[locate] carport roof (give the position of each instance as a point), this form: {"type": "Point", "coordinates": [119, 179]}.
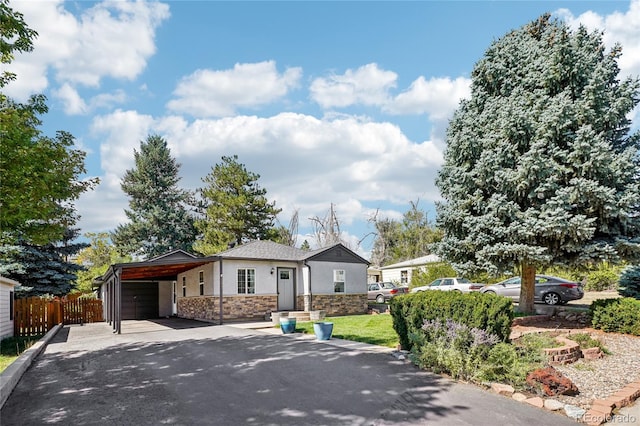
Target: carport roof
{"type": "Point", "coordinates": [157, 269]}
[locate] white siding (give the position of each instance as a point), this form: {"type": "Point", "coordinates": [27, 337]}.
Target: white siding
{"type": "Point", "coordinates": [322, 277]}
{"type": "Point", "coordinates": [6, 324]}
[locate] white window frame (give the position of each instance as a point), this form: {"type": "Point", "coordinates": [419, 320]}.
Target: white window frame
{"type": "Point", "coordinates": [404, 276]}
{"type": "Point", "coordinates": [184, 286]}
{"type": "Point", "coordinates": [201, 282]}
{"type": "Point", "coordinates": [243, 279]}
{"type": "Point", "coordinates": [339, 280]}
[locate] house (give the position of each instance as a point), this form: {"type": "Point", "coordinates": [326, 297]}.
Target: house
{"type": "Point", "coordinates": [6, 306]}
{"type": "Point", "coordinates": [400, 273]}
{"type": "Point", "coordinates": [374, 275]}
{"type": "Point", "coordinates": [247, 281]}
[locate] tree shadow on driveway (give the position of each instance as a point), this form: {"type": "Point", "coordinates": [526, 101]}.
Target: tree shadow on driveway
{"type": "Point", "coordinates": [245, 378]}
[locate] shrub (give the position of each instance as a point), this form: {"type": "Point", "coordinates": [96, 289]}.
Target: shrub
{"type": "Point", "coordinates": [629, 285]}
{"type": "Point", "coordinates": [488, 312]}
{"type": "Point", "coordinates": [616, 315]}
{"type": "Point", "coordinates": [604, 277]}
{"type": "Point", "coordinates": [451, 347]}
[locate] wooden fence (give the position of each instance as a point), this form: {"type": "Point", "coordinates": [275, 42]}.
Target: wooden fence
{"type": "Point", "coordinates": [35, 316]}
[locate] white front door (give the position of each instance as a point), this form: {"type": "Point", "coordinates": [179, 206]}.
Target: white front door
{"type": "Point", "coordinates": [286, 290]}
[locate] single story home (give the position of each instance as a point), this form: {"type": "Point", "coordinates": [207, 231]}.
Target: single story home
{"type": "Point", "coordinates": [7, 287]}
{"type": "Point", "coordinates": [400, 273]}
{"type": "Point", "coordinates": [247, 281]}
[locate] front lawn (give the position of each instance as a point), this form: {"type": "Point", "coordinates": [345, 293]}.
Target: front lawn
{"type": "Point", "coordinates": [12, 347]}
{"type": "Point", "coordinates": [372, 329]}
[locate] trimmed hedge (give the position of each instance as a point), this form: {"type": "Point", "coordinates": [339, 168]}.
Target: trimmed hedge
{"type": "Point", "coordinates": [488, 312]}
{"type": "Point", "coordinates": [617, 315]}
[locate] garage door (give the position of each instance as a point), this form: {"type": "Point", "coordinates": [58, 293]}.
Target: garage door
{"type": "Point", "coordinates": [139, 300]}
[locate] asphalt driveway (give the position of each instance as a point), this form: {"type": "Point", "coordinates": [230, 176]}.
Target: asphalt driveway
{"type": "Point", "coordinates": [189, 373]}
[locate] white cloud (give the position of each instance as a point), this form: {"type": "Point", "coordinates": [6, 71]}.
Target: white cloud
{"type": "Point", "coordinates": [305, 163]}
{"type": "Point", "coordinates": [209, 93]}
{"type": "Point", "coordinates": [367, 85]}
{"type": "Point", "coordinates": [436, 97]}
{"type": "Point", "coordinates": [110, 39]}
{"type": "Point", "coordinates": [618, 27]}
{"type": "Point", "coordinates": [73, 103]}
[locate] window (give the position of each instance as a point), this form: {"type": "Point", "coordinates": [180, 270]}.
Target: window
{"type": "Point", "coordinates": [175, 291]}
{"type": "Point", "coordinates": [184, 286]}
{"type": "Point", "coordinates": [338, 280]}
{"type": "Point", "coordinates": [201, 282]}
{"type": "Point", "coordinates": [404, 277]}
{"type": "Point", "coordinates": [10, 306]}
{"type": "Point", "coordinates": [246, 281]}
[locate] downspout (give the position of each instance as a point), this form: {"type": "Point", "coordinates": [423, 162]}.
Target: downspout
{"type": "Point", "coordinates": [118, 294]}
{"type": "Point", "coordinates": [221, 289]}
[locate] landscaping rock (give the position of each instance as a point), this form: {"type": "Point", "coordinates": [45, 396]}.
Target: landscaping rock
{"type": "Point", "coordinates": [574, 412]}
{"type": "Point", "coordinates": [536, 401]}
{"type": "Point", "coordinates": [502, 389]}
{"type": "Point", "coordinates": [553, 405]}
{"type": "Point", "coordinates": [550, 382]}
{"type": "Point", "coordinates": [519, 396]}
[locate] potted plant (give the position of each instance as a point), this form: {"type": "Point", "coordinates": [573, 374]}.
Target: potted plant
{"type": "Point", "coordinates": [288, 325]}
{"type": "Point", "coordinates": [323, 329]}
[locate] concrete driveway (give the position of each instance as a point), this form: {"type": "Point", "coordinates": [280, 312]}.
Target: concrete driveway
{"type": "Point", "coordinates": [187, 373]}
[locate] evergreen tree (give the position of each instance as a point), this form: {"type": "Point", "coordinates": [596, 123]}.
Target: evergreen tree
{"type": "Point", "coordinates": [629, 285]}
{"type": "Point", "coordinates": [43, 269]}
{"type": "Point", "coordinates": [540, 168]}
{"type": "Point", "coordinates": [159, 215]}
{"type": "Point", "coordinates": [236, 208]}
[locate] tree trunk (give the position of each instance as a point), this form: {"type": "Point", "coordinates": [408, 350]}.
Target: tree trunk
{"type": "Point", "coordinates": [527, 288]}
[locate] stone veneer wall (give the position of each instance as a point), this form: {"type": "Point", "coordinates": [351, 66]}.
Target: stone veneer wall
{"type": "Point", "coordinates": [340, 304]}
{"type": "Point", "coordinates": [233, 307]}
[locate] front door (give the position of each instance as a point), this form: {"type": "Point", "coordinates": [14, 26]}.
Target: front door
{"type": "Point", "coordinates": [286, 290]}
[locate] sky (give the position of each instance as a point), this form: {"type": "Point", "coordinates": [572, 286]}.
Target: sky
{"type": "Point", "coordinates": [331, 103]}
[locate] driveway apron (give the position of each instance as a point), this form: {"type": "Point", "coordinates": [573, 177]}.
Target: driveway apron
{"type": "Point", "coordinates": [189, 373]}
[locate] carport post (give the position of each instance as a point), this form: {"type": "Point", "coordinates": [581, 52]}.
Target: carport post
{"type": "Point", "coordinates": [118, 294]}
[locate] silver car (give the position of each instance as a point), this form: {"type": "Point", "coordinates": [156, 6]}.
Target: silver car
{"type": "Point", "coordinates": [550, 290]}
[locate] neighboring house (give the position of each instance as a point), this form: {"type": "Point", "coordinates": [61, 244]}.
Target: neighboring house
{"type": "Point", "coordinates": [374, 275]}
{"type": "Point", "coordinates": [400, 273]}
{"type": "Point", "coordinates": [7, 287]}
{"type": "Point", "coordinates": [254, 279]}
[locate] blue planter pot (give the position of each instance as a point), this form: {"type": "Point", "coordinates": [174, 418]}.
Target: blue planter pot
{"type": "Point", "coordinates": [323, 330]}
{"type": "Point", "coordinates": [288, 325]}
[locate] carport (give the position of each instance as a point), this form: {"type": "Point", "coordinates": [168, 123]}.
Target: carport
{"type": "Point", "coordinates": [130, 290]}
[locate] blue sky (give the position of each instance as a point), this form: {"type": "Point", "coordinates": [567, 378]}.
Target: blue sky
{"type": "Point", "coordinates": [330, 102]}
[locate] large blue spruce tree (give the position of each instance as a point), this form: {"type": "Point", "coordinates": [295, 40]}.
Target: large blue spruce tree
{"type": "Point", "coordinates": [540, 166]}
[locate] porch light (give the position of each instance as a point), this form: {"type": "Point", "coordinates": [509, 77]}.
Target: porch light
{"type": "Point", "coordinates": [273, 270]}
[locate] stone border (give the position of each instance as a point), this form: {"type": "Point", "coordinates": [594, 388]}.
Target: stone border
{"type": "Point", "coordinates": [10, 377]}
{"type": "Point", "coordinates": [602, 409]}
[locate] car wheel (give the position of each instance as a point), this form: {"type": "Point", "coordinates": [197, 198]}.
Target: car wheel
{"type": "Point", "coordinates": [380, 298]}
{"type": "Point", "coordinates": [551, 299]}
{"type": "Point", "coordinates": [489, 292]}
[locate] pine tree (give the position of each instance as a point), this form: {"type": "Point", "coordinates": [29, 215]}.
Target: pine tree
{"type": "Point", "coordinates": [540, 168]}
{"type": "Point", "coordinates": [159, 215]}
{"type": "Point", "coordinates": [236, 208]}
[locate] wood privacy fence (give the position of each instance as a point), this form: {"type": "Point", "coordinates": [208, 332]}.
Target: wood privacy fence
{"type": "Point", "coordinates": [35, 316]}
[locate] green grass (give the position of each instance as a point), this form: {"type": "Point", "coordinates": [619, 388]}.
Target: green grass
{"type": "Point", "coordinates": [372, 329]}
{"type": "Point", "coordinates": [12, 347]}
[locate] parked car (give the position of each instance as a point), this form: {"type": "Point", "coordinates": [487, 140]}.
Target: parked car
{"type": "Point", "coordinates": [550, 290]}
{"type": "Point", "coordinates": [382, 292]}
{"type": "Point", "coordinates": [450, 284]}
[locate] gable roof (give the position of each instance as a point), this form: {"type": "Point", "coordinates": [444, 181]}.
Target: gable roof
{"type": "Point", "coordinates": [177, 254]}
{"type": "Point", "coordinates": [270, 250]}
{"type": "Point", "coordinates": [413, 263]}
